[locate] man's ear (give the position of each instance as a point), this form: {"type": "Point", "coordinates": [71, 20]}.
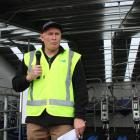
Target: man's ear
{"type": "Point", "coordinates": [41, 37]}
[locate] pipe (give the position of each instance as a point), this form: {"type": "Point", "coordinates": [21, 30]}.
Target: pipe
{"type": "Point", "coordinates": [6, 111]}
{"type": "Point", "coordinates": [9, 94]}
{"type": "Point", "coordinates": [6, 129]}
{"type": "Point", "coordinates": [104, 30]}
{"type": "Point", "coordinates": [5, 117]}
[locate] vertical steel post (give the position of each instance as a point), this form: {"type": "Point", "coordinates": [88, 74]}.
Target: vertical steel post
{"type": "Point", "coordinates": [5, 117]}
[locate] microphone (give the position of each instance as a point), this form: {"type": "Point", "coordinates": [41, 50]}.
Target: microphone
{"type": "Point", "coordinates": [38, 56]}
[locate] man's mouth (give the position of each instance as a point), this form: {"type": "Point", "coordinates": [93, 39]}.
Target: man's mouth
{"type": "Point", "coordinates": [54, 43]}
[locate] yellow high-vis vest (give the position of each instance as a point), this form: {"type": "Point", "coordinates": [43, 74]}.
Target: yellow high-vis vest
{"type": "Point", "coordinates": [53, 91]}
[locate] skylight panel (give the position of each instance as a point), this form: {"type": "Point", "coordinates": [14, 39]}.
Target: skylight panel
{"type": "Point", "coordinates": [131, 58]}
{"type": "Point", "coordinates": [110, 4]}
{"type": "Point", "coordinates": [123, 3]}
{"type": "Point", "coordinates": [108, 60]}
{"type": "Point", "coordinates": [126, 2]}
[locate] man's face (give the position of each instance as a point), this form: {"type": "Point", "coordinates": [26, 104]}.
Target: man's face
{"type": "Point", "coordinates": [51, 38]}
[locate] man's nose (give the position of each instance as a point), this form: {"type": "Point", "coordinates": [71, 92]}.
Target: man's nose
{"type": "Point", "coordinates": [54, 37]}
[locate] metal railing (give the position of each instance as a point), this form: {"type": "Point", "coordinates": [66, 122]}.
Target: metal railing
{"type": "Point", "coordinates": [9, 110]}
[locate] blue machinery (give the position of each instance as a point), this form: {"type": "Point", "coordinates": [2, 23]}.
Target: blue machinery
{"type": "Point", "coordinates": [96, 138]}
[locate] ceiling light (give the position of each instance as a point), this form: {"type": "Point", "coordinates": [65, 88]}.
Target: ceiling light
{"type": "Point", "coordinates": [20, 31]}
{"type": "Point", "coordinates": [31, 34]}
{"type": "Point", "coordinates": [9, 27]}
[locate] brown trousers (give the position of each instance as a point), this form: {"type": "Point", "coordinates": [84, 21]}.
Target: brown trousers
{"type": "Point", "coordinates": [36, 132]}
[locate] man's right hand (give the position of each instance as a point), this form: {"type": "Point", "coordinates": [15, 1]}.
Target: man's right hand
{"type": "Point", "coordinates": [34, 73]}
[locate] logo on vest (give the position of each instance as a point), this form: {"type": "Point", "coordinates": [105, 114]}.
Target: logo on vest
{"type": "Point", "coordinates": [63, 60]}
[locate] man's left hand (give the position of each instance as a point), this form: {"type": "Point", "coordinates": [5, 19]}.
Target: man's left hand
{"type": "Point", "coordinates": [79, 125]}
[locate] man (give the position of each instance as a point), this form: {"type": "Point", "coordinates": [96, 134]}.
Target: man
{"type": "Point", "coordinates": [57, 99]}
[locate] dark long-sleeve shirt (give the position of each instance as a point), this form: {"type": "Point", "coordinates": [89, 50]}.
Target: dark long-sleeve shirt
{"type": "Point", "coordinates": [80, 93]}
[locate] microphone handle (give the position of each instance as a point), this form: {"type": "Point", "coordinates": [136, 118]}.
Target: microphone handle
{"type": "Point", "coordinates": [38, 63]}
{"type": "Point", "coordinates": [38, 77]}
{"type": "Point", "coordinates": [38, 56]}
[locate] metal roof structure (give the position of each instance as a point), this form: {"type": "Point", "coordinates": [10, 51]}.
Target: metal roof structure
{"type": "Point", "coordinates": [87, 24]}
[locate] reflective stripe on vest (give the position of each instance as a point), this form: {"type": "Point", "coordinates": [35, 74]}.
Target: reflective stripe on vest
{"type": "Point", "coordinates": [29, 69]}
{"type": "Point", "coordinates": [66, 102]}
{"type": "Point", "coordinates": [31, 60]}
{"type": "Point", "coordinates": [51, 102]}
{"type": "Point", "coordinates": [71, 53]}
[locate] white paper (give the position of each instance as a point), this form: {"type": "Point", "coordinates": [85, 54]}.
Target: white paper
{"type": "Point", "coordinates": [71, 135]}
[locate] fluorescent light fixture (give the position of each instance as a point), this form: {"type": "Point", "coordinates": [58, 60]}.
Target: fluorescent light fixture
{"type": "Point", "coordinates": [30, 34]}
{"type": "Point", "coordinates": [20, 31]}
{"type": "Point", "coordinates": [108, 60]}
{"type": "Point", "coordinates": [17, 52]}
{"type": "Point", "coordinates": [123, 3]}
{"type": "Point", "coordinates": [2, 46]}
{"type": "Point", "coordinates": [3, 39]}
{"type": "Point", "coordinates": [22, 42]}
{"type": "Point", "coordinates": [2, 25]}
{"type": "Point", "coordinates": [6, 41]}
{"type": "Point", "coordinates": [131, 58]}
{"type": "Point", "coordinates": [9, 27]}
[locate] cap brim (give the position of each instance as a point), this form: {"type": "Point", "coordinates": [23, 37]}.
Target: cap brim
{"type": "Point", "coordinates": [51, 25]}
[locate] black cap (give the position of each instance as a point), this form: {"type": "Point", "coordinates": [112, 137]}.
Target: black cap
{"type": "Point", "coordinates": [50, 24]}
